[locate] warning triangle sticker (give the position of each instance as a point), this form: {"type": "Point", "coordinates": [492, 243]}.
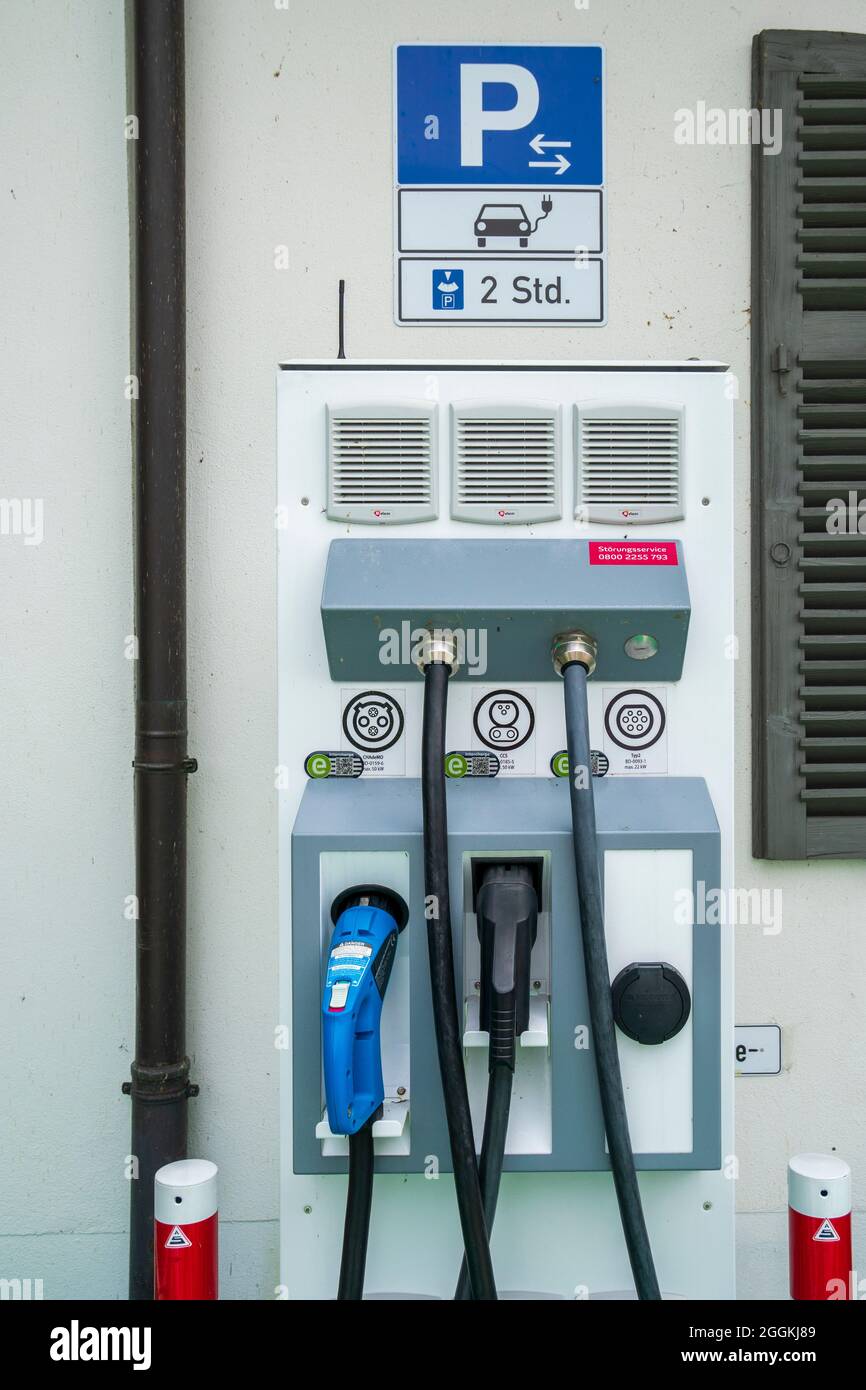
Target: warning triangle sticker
{"type": "Point", "coordinates": [177, 1240]}
{"type": "Point", "coordinates": [826, 1231]}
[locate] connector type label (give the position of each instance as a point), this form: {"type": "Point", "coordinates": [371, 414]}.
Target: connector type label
{"type": "Point", "coordinates": [504, 722]}
{"type": "Point", "coordinates": [373, 722]}
{"type": "Point", "coordinates": [635, 730]}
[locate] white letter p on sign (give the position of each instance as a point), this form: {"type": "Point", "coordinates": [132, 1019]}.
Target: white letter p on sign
{"type": "Point", "coordinates": [474, 120]}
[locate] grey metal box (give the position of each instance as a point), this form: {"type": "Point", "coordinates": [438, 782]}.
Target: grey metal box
{"type": "Point", "coordinates": [522, 594]}
{"type": "Point", "coordinates": [515, 816]}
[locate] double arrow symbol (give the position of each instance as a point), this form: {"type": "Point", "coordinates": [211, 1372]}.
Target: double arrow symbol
{"type": "Point", "coordinates": [540, 146]}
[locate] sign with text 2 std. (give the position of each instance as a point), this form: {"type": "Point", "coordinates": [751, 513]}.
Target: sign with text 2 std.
{"type": "Point", "coordinates": [499, 176]}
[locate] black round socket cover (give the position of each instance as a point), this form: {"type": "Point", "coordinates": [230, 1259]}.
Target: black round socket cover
{"type": "Point", "coordinates": [651, 1002]}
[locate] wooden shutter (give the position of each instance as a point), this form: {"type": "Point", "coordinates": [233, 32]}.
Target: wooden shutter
{"type": "Point", "coordinates": [808, 447]}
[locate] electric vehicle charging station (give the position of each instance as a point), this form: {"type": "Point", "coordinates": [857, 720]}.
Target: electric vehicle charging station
{"type": "Point", "coordinates": [510, 506]}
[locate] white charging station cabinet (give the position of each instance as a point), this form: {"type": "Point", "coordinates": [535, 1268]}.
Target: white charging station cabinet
{"type": "Point", "coordinates": [635, 461]}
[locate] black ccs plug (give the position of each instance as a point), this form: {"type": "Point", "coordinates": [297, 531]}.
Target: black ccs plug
{"type": "Point", "coordinates": [507, 911]}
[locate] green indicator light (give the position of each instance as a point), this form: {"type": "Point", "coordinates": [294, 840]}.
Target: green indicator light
{"type": "Point", "coordinates": [641, 647]}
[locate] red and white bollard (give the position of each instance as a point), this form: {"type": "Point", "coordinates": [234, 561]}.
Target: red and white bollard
{"type": "Point", "coordinates": [186, 1228]}
{"type": "Point", "coordinates": [819, 1227]}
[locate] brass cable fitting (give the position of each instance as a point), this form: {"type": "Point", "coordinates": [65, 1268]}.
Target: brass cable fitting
{"type": "Point", "coordinates": [574, 646]}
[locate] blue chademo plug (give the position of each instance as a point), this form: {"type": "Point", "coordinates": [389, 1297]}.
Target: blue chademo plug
{"type": "Point", "coordinates": [367, 921]}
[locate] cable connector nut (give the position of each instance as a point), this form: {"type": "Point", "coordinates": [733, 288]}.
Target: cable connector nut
{"type": "Point", "coordinates": [574, 646]}
{"type": "Point", "coordinates": [438, 647]}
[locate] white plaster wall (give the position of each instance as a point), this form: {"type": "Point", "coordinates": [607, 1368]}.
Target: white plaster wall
{"type": "Point", "coordinates": [289, 131]}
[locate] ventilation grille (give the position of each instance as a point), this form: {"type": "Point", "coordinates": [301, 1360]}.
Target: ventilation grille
{"type": "Point", "coordinates": [381, 464]}
{"type": "Point", "coordinates": [831, 186]}
{"type": "Point", "coordinates": [506, 465]}
{"type": "Point", "coordinates": [629, 465]}
{"type": "Point", "coordinates": [832, 589]}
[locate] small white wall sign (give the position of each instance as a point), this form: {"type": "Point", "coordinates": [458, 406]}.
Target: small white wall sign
{"type": "Point", "coordinates": [758, 1049]}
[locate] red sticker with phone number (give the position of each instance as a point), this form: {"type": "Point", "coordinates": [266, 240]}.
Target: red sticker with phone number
{"type": "Point", "coordinates": [633, 553]}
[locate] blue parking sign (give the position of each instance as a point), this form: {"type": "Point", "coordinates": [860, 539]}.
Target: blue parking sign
{"type": "Point", "coordinates": [499, 114]}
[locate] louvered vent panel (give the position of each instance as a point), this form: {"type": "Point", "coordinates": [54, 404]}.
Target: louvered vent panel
{"type": "Point", "coordinates": [831, 187]}
{"type": "Point", "coordinates": [506, 465]}
{"type": "Point", "coordinates": [629, 465]}
{"type": "Point", "coordinates": [832, 562]}
{"type": "Point", "coordinates": [382, 464]}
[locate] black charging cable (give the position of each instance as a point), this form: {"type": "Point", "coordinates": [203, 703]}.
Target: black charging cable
{"type": "Point", "coordinates": [600, 1001]}
{"type": "Point", "coordinates": [507, 915]}
{"type": "Point", "coordinates": [356, 1229]}
{"type": "Point", "coordinates": [449, 1041]}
